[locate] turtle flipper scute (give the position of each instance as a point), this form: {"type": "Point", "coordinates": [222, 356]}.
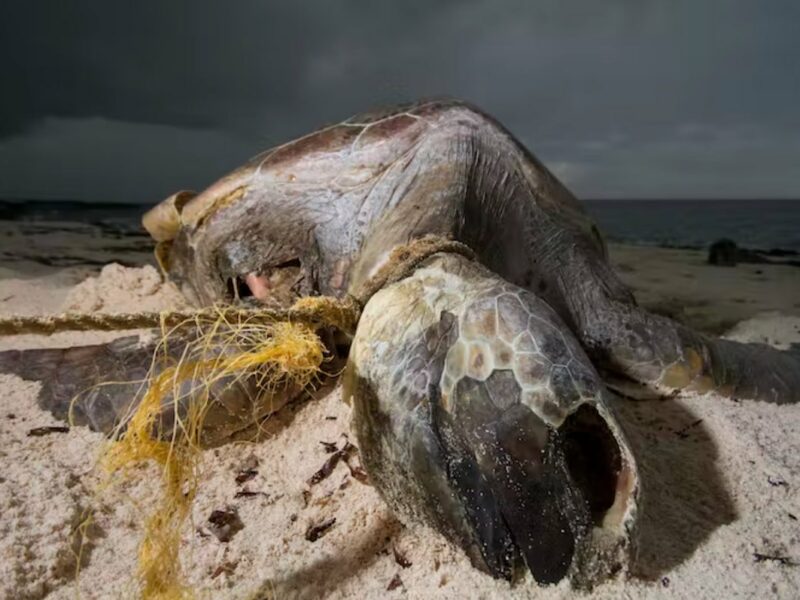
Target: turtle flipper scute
{"type": "Point", "coordinates": [422, 466]}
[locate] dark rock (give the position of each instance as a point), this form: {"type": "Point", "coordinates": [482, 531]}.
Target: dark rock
{"type": "Point", "coordinates": [781, 252]}
{"type": "Point", "coordinates": [723, 253]}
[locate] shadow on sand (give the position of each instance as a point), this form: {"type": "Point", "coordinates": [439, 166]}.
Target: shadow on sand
{"type": "Point", "coordinates": [316, 579]}
{"type": "Point", "coordinates": [684, 498]}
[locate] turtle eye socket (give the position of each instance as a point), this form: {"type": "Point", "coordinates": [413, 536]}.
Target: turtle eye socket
{"type": "Point", "coordinates": [291, 263]}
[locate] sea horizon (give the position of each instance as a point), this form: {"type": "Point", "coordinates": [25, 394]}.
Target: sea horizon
{"type": "Point", "coordinates": [769, 225]}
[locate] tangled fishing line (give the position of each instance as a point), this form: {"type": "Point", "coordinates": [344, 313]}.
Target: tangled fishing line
{"type": "Point", "coordinates": [226, 349]}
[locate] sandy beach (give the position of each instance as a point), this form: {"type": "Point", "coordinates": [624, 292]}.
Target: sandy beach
{"type": "Point", "coordinates": [682, 285]}
{"type": "Point", "coordinates": [720, 477]}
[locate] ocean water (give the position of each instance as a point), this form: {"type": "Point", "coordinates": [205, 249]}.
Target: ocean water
{"type": "Point", "coordinates": [66, 234]}
{"type": "Point", "coordinates": [755, 224]}
{"type": "Point", "coordinates": [72, 233]}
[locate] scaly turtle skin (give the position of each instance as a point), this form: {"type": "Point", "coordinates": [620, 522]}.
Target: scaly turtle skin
{"type": "Point", "coordinates": [477, 402]}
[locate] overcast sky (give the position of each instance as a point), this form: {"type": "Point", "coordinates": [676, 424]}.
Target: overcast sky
{"type": "Point", "coordinates": [129, 101]}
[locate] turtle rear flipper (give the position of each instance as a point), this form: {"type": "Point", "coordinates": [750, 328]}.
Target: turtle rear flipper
{"type": "Point", "coordinates": [666, 356]}
{"type": "Point", "coordinates": [101, 385]}
{"type": "Point", "coordinates": [651, 350]}
{"type": "Point", "coordinates": [94, 385]}
{"type": "Point", "coordinates": [739, 370]}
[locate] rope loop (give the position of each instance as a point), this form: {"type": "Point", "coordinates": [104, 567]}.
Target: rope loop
{"type": "Point", "coordinates": [317, 311]}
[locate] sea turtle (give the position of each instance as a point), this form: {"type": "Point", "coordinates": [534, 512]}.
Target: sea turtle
{"type": "Point", "coordinates": [478, 384]}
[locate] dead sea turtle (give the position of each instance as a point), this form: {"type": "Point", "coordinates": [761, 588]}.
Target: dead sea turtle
{"type": "Point", "coordinates": [477, 385]}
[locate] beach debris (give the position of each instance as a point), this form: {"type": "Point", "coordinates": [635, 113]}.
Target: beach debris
{"type": "Point", "coordinates": [395, 583]}
{"type": "Point", "coordinates": [683, 433]}
{"type": "Point", "coordinates": [227, 568]}
{"type": "Point", "coordinates": [276, 354]}
{"type": "Point", "coordinates": [224, 524]}
{"type": "Point", "coordinates": [358, 473]}
{"type": "Point", "coordinates": [245, 476]}
{"type": "Point", "coordinates": [776, 481]}
{"type": "Point", "coordinates": [247, 493]}
{"type": "Point", "coordinates": [327, 468]}
{"type": "Point", "coordinates": [400, 558]}
{"type": "Point", "coordinates": [314, 532]}
{"type": "Point", "coordinates": [325, 499]}
{"type": "Point", "coordinates": [783, 560]}
{"type": "Point", "coordinates": [247, 470]}
{"type": "Point", "coordinates": [47, 430]}
{"type": "Point", "coordinates": [329, 446]}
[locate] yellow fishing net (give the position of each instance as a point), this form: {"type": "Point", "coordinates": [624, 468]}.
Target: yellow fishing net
{"type": "Point", "coordinates": [225, 348]}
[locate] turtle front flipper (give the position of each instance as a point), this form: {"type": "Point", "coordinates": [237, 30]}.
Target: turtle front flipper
{"type": "Point", "coordinates": [478, 414]}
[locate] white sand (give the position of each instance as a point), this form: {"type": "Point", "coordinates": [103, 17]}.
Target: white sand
{"type": "Point", "coordinates": [681, 284]}
{"type": "Point", "coordinates": [720, 481]}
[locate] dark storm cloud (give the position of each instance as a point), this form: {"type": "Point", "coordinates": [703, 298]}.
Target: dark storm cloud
{"type": "Point", "coordinates": [131, 100]}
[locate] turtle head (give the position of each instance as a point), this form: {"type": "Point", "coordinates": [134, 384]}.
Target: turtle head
{"type": "Point", "coordinates": [478, 413]}
{"type": "Point", "coordinates": [231, 244]}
